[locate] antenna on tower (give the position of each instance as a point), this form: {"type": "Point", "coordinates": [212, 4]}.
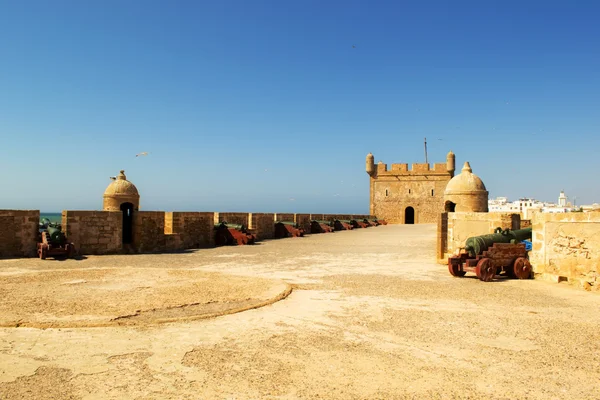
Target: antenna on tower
{"type": "Point", "coordinates": [426, 162]}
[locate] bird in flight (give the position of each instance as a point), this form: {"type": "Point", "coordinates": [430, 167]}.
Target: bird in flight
{"type": "Point", "coordinates": [353, 46]}
{"type": "Point", "coordinates": [143, 153]}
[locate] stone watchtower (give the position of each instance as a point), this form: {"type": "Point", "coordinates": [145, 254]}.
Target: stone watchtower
{"type": "Point", "coordinates": [120, 192]}
{"type": "Point", "coordinates": [408, 196]}
{"type": "Point", "coordinates": [466, 193]}
{"type": "Point", "coordinates": [122, 195]}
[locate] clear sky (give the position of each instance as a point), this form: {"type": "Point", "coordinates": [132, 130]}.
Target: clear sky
{"type": "Point", "coordinates": [267, 106]}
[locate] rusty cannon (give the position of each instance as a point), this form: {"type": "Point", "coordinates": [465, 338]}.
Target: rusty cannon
{"type": "Point", "coordinates": [381, 221]}
{"type": "Point", "coordinates": [54, 243]}
{"type": "Point", "coordinates": [317, 226]}
{"type": "Point", "coordinates": [371, 222]}
{"type": "Point", "coordinates": [501, 252]}
{"type": "Point", "coordinates": [227, 234]}
{"type": "Point", "coordinates": [285, 229]}
{"type": "Point", "coordinates": [342, 224]}
{"type": "Point", "coordinates": [359, 224]}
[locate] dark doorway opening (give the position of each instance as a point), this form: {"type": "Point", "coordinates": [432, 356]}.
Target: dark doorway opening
{"type": "Point", "coordinates": [409, 215]}
{"type": "Point", "coordinates": [127, 209]}
{"type": "Point", "coordinates": [449, 206]}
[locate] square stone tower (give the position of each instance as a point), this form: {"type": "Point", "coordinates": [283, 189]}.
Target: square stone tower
{"type": "Point", "coordinates": [408, 196]}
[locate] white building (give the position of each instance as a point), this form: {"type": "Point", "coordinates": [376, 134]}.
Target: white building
{"type": "Point", "coordinates": [527, 206]}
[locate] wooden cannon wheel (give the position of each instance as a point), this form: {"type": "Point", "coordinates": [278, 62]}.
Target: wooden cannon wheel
{"type": "Point", "coordinates": [455, 269]}
{"type": "Point", "coordinates": [522, 268]}
{"type": "Point", "coordinates": [43, 251]}
{"type": "Point", "coordinates": [485, 270]}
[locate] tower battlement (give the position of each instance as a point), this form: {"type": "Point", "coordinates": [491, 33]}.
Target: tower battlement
{"type": "Point", "coordinates": [416, 168]}
{"type": "Point", "coordinates": [408, 193]}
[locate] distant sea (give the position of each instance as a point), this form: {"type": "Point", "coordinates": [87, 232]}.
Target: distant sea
{"type": "Point", "coordinates": [53, 217]}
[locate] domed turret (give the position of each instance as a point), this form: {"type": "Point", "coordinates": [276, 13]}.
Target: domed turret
{"type": "Point", "coordinates": [450, 162]}
{"type": "Point", "coordinates": [466, 192]}
{"type": "Point", "coordinates": [370, 164]}
{"type": "Point", "coordinates": [120, 191]}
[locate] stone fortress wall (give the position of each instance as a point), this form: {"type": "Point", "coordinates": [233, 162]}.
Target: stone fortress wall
{"type": "Point", "coordinates": [18, 236]}
{"type": "Point", "coordinates": [420, 187]}
{"type": "Point", "coordinates": [100, 232]}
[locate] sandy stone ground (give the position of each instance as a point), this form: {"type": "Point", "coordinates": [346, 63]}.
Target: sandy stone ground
{"type": "Point", "coordinates": [370, 316]}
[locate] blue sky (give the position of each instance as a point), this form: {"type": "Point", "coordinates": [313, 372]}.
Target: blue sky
{"type": "Point", "coordinates": [246, 105]}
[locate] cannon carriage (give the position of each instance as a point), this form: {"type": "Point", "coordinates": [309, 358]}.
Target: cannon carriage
{"type": "Point", "coordinates": [285, 229]}
{"type": "Point", "coordinates": [359, 224]}
{"type": "Point", "coordinates": [321, 226]}
{"type": "Point", "coordinates": [343, 224]}
{"type": "Point", "coordinates": [500, 253]}
{"type": "Point", "coordinates": [227, 234]}
{"type": "Point", "coordinates": [52, 242]}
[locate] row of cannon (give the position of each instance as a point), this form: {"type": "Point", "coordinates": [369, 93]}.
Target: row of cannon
{"type": "Point", "coordinates": [228, 234]}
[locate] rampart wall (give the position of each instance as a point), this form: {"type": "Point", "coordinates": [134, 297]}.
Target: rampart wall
{"type": "Point", "coordinates": [94, 232]}
{"type": "Point", "coordinates": [455, 228]}
{"type": "Point", "coordinates": [566, 247]}
{"type": "Point", "coordinates": [19, 233]}
{"type": "Point", "coordinates": [101, 232]}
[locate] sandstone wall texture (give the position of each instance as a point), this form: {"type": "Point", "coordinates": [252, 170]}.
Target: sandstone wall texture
{"type": "Point", "coordinates": [149, 233]}
{"type": "Point", "coordinates": [420, 188]}
{"type": "Point", "coordinates": [566, 247]}
{"type": "Point", "coordinates": [285, 217]}
{"type": "Point", "coordinates": [232, 218]}
{"type": "Point", "coordinates": [263, 225]}
{"type": "Point", "coordinates": [455, 228]}
{"type": "Point", "coordinates": [303, 221]}
{"type": "Point", "coordinates": [94, 232]}
{"type": "Point", "coordinates": [195, 229]}
{"type": "Point", "coordinates": [19, 233]}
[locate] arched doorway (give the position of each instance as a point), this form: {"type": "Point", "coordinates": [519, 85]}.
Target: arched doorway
{"type": "Point", "coordinates": [127, 209]}
{"type": "Point", "coordinates": [449, 206]}
{"type": "Point", "coordinates": [409, 215]}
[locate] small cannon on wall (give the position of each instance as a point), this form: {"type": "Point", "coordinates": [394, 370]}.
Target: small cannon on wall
{"type": "Point", "coordinates": [359, 224]}
{"type": "Point", "coordinates": [320, 226]}
{"type": "Point", "coordinates": [285, 229]}
{"type": "Point", "coordinates": [489, 255]}
{"type": "Point", "coordinates": [53, 242]}
{"type": "Point", "coordinates": [371, 222]}
{"type": "Point", "coordinates": [232, 234]}
{"type": "Point", "coordinates": [343, 224]}
{"type": "Point", "coordinates": [380, 221]}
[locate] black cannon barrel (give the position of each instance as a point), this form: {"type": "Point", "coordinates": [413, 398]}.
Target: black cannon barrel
{"type": "Point", "coordinates": [224, 224]}
{"type": "Point", "coordinates": [286, 223]}
{"type": "Point", "coordinates": [55, 235]}
{"type": "Point", "coordinates": [476, 245]}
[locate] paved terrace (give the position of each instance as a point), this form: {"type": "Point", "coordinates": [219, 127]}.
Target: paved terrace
{"type": "Point", "coordinates": [369, 316]}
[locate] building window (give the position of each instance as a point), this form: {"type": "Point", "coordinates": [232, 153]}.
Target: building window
{"type": "Point", "coordinates": [386, 192]}
{"type": "Point", "coordinates": [432, 192]}
{"type": "Point", "coordinates": [408, 191]}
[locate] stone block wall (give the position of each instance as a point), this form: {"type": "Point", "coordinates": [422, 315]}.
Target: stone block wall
{"type": "Point", "coordinates": [149, 233]}
{"type": "Point", "coordinates": [285, 217]}
{"type": "Point", "coordinates": [566, 247]}
{"type": "Point", "coordinates": [303, 221]}
{"type": "Point", "coordinates": [195, 229]}
{"type": "Point", "coordinates": [232, 218]}
{"type": "Point", "coordinates": [317, 217]}
{"type": "Point", "coordinates": [94, 232]}
{"type": "Point", "coordinates": [459, 226]}
{"type": "Point", "coordinates": [19, 233]}
{"type": "Point", "coordinates": [263, 225]}
{"type": "Point", "coordinates": [333, 217]}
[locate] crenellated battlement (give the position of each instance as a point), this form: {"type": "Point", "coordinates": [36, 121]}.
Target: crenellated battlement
{"type": "Point", "coordinates": [415, 168]}
{"type": "Point", "coordinates": [408, 193]}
